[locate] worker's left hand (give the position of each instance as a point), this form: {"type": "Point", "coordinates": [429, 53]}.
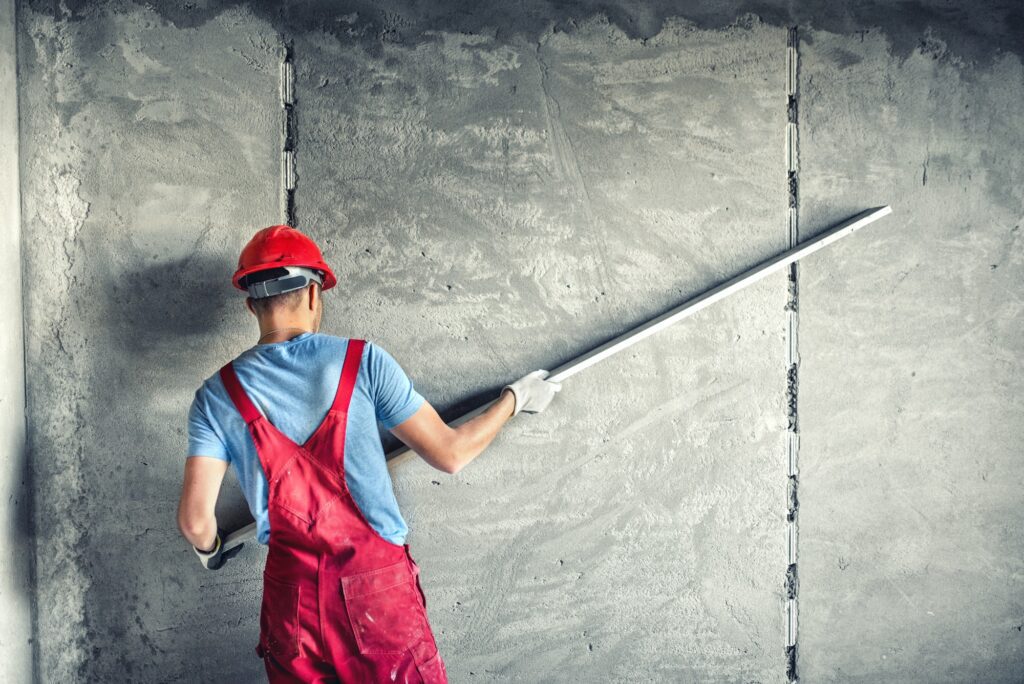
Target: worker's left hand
{"type": "Point", "coordinates": [217, 557]}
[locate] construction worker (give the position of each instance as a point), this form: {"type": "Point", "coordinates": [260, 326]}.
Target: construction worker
{"type": "Point", "coordinates": [297, 416]}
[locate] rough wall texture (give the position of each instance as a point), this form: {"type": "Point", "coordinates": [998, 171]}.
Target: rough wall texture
{"type": "Point", "coordinates": [503, 187]}
{"type": "Point", "coordinates": [504, 206]}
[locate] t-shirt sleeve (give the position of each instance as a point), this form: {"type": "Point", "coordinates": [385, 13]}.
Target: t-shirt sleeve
{"type": "Point", "coordinates": [203, 440]}
{"type": "Point", "coordinates": [394, 396]}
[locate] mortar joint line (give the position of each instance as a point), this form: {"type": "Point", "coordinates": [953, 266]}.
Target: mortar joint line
{"type": "Point", "coordinates": [792, 349]}
{"type": "Point", "coordinates": [289, 176]}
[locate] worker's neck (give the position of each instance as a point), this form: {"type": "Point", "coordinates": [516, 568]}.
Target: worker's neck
{"type": "Point", "coordinates": [282, 328]}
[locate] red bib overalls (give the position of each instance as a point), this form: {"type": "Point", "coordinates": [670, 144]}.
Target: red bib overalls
{"type": "Point", "coordinates": [340, 602]}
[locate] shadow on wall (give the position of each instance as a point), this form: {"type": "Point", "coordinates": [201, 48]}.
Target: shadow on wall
{"type": "Point", "coordinates": [168, 323]}
{"type": "Point", "coordinates": [175, 303]}
{"type": "Point", "coordinates": [177, 312]}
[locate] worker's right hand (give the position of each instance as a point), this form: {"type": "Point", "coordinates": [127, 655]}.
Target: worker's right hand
{"type": "Point", "coordinates": [532, 392]}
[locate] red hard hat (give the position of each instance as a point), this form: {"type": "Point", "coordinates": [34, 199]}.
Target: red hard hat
{"type": "Point", "coordinates": [278, 246]}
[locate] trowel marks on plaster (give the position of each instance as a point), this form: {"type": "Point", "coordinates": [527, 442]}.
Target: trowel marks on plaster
{"type": "Point", "coordinates": [636, 543]}
{"type": "Point", "coordinates": [517, 155]}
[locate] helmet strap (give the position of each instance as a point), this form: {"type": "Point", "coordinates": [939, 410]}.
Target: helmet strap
{"type": "Point", "coordinates": [294, 278]}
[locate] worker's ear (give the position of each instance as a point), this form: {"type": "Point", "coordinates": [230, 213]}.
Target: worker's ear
{"type": "Point", "coordinates": [314, 296]}
{"type": "Point", "coordinates": [248, 305]}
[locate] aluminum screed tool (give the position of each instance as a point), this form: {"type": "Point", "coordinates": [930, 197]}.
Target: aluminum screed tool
{"type": "Point", "coordinates": [627, 339]}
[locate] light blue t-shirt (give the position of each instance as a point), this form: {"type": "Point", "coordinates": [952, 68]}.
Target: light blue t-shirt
{"type": "Point", "coordinates": [293, 384]}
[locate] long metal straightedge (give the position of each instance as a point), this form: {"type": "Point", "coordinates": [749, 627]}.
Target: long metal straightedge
{"type": "Point", "coordinates": [629, 338]}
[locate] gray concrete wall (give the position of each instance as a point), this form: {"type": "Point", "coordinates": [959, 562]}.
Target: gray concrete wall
{"type": "Point", "coordinates": [502, 187]}
{"type": "Point", "coordinates": [911, 386]}
{"type": "Point", "coordinates": [15, 485]}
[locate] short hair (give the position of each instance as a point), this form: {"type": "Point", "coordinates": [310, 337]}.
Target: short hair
{"type": "Point", "coordinates": [279, 302]}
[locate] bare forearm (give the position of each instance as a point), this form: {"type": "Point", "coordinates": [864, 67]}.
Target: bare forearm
{"type": "Point", "coordinates": [475, 434]}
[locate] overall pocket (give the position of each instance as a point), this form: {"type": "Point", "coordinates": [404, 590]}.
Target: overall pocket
{"type": "Point", "coordinates": [279, 618]}
{"type": "Point", "coordinates": [383, 606]}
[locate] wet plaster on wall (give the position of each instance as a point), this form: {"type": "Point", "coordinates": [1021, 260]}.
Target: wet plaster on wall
{"type": "Point", "coordinates": [150, 152]}
{"type": "Point", "coordinates": [912, 348]}
{"type": "Point", "coordinates": [498, 206]}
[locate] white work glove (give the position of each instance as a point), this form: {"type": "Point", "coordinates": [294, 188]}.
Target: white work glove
{"type": "Point", "coordinates": [532, 392]}
{"type": "Point", "coordinates": [215, 558]}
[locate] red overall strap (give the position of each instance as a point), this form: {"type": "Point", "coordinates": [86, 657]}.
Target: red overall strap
{"type": "Point", "coordinates": [349, 373]}
{"type": "Point", "coordinates": [346, 384]}
{"type": "Point", "coordinates": [238, 396]}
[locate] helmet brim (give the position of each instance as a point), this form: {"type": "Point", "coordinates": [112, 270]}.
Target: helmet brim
{"type": "Point", "coordinates": [329, 279]}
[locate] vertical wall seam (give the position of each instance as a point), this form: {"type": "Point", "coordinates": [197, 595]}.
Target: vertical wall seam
{"type": "Point", "coordinates": [792, 350]}
{"type": "Point", "coordinates": [289, 177]}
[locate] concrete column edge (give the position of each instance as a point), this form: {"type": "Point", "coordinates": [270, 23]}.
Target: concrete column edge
{"type": "Point", "coordinates": [17, 595]}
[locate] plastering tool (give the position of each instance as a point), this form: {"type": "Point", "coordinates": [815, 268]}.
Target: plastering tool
{"type": "Point", "coordinates": [631, 337]}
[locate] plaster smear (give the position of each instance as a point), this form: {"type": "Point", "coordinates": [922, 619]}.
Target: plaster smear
{"type": "Point", "coordinates": [492, 221]}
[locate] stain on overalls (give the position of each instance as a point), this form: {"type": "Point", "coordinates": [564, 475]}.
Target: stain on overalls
{"type": "Point", "coordinates": [340, 602]}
